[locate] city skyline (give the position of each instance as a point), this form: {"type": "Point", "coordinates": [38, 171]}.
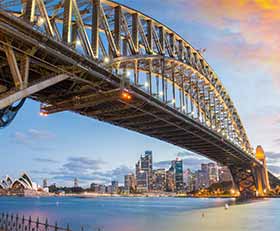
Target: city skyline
{"type": "Point", "coordinates": [49, 142]}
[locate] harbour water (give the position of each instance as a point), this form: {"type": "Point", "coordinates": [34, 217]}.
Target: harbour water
{"type": "Point", "coordinates": [145, 214]}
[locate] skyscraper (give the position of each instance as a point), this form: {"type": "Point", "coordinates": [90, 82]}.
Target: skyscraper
{"type": "Point", "coordinates": [115, 186]}
{"type": "Point", "coordinates": [170, 179]}
{"type": "Point", "coordinates": [178, 171]}
{"type": "Point", "coordinates": [130, 183]}
{"type": "Point", "coordinates": [45, 183]}
{"type": "Point", "coordinates": [224, 174]}
{"type": "Point", "coordinates": [159, 180]}
{"type": "Point", "coordinates": [142, 181]}
{"type": "Point", "coordinates": [213, 173]}
{"type": "Point", "coordinates": [76, 183]}
{"type": "Point", "coordinates": [189, 180]}
{"type": "Point", "coordinates": [145, 164]}
{"type": "Point", "coordinates": [204, 176]}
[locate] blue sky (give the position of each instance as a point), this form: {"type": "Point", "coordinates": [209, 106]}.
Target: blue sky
{"type": "Point", "coordinates": [64, 145]}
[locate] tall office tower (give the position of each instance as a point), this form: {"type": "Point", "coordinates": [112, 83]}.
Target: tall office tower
{"type": "Point", "coordinates": [142, 181]}
{"type": "Point", "coordinates": [213, 174]}
{"type": "Point", "coordinates": [130, 183]}
{"type": "Point", "coordinates": [170, 180]}
{"type": "Point", "coordinates": [76, 183]}
{"type": "Point", "coordinates": [204, 181]}
{"type": "Point", "coordinates": [45, 183]}
{"type": "Point", "coordinates": [115, 186]}
{"type": "Point", "coordinates": [224, 174]}
{"type": "Point", "coordinates": [189, 180]}
{"type": "Point", "coordinates": [159, 180]}
{"type": "Point", "coordinates": [178, 170]}
{"type": "Point", "coordinates": [146, 162]}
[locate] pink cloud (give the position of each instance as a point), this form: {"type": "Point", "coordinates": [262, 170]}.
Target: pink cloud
{"type": "Point", "coordinates": [250, 30]}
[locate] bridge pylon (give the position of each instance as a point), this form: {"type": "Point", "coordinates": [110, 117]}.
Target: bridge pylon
{"type": "Point", "coordinates": [263, 172]}
{"type": "Point", "coordinates": [252, 179]}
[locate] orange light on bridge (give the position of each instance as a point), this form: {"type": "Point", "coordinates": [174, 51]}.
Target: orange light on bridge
{"type": "Point", "coordinates": [43, 114]}
{"type": "Point", "coordinates": [125, 95]}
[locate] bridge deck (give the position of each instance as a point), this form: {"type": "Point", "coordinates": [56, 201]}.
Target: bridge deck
{"type": "Point", "coordinates": [93, 94]}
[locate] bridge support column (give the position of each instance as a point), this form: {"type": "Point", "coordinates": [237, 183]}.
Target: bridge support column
{"type": "Point", "coordinates": [244, 181]}
{"type": "Point", "coordinates": [252, 180]}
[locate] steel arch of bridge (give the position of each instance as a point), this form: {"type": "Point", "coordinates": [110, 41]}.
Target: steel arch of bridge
{"type": "Point", "coordinates": [123, 40]}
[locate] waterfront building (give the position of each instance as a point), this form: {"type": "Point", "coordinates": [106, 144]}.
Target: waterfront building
{"type": "Point", "coordinates": [224, 174]}
{"type": "Point", "coordinates": [145, 164]}
{"type": "Point", "coordinates": [115, 186]}
{"type": "Point", "coordinates": [142, 181]}
{"type": "Point", "coordinates": [204, 176]}
{"type": "Point", "coordinates": [98, 188]}
{"type": "Point", "coordinates": [178, 171]}
{"type": "Point", "coordinates": [130, 183]}
{"type": "Point", "coordinates": [159, 180]}
{"type": "Point", "coordinates": [21, 186]}
{"type": "Point", "coordinates": [213, 174]}
{"type": "Point", "coordinates": [109, 189]}
{"type": "Point", "coordinates": [76, 183]}
{"type": "Point", "coordinates": [45, 183]}
{"type": "Point", "coordinates": [170, 180]}
{"type": "Point", "coordinates": [189, 180]}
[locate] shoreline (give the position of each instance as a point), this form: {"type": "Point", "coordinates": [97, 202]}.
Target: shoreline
{"type": "Point", "coordinates": [147, 195]}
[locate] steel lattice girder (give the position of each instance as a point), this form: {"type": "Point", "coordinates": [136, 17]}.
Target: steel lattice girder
{"type": "Point", "coordinates": [117, 33]}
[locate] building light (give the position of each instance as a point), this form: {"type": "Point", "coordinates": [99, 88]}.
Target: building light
{"type": "Point", "coordinates": [161, 93]}
{"type": "Point", "coordinates": [40, 21]}
{"type": "Point", "coordinates": [173, 101]}
{"type": "Point", "coordinates": [106, 60]}
{"type": "Point", "coordinates": [127, 73]}
{"type": "Point", "coordinates": [78, 42]}
{"type": "Point", "coordinates": [146, 84]}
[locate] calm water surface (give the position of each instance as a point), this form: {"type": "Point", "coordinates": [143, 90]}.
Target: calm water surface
{"type": "Point", "coordinates": [141, 214]}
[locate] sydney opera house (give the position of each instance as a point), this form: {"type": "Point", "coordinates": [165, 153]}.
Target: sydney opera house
{"type": "Point", "coordinates": [22, 186]}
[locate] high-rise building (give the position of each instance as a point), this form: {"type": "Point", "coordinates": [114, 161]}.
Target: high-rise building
{"type": "Point", "coordinates": [170, 180]}
{"type": "Point", "coordinates": [189, 180]}
{"type": "Point", "coordinates": [115, 186]}
{"type": "Point", "coordinates": [45, 183]}
{"type": "Point", "coordinates": [159, 180]}
{"type": "Point", "coordinates": [98, 188]}
{"type": "Point", "coordinates": [204, 176]}
{"type": "Point", "coordinates": [76, 183]}
{"type": "Point", "coordinates": [145, 164]}
{"type": "Point", "coordinates": [213, 174]}
{"type": "Point", "coordinates": [178, 171]}
{"type": "Point", "coordinates": [224, 174]}
{"type": "Point", "coordinates": [130, 183]}
{"type": "Point", "coordinates": [142, 181]}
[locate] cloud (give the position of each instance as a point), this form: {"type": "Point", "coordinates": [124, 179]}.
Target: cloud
{"type": "Point", "coordinates": [41, 135]}
{"type": "Point", "coordinates": [33, 139]}
{"type": "Point", "coordinates": [191, 160]}
{"type": "Point", "coordinates": [275, 169]}
{"type": "Point", "coordinates": [21, 138]}
{"type": "Point", "coordinates": [82, 164]}
{"type": "Point", "coordinates": [273, 155]}
{"type": "Point", "coordinates": [246, 30]}
{"type": "Point", "coordinates": [85, 169]}
{"type": "Point", "coordinates": [45, 160]}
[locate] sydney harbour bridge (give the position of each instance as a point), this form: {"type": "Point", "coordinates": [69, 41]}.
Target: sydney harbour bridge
{"type": "Point", "coordinates": [104, 60]}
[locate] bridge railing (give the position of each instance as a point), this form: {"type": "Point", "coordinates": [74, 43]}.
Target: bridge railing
{"type": "Point", "coordinates": [11, 222]}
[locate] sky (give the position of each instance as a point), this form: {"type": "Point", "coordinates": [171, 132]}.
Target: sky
{"type": "Point", "coordinates": [241, 39]}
